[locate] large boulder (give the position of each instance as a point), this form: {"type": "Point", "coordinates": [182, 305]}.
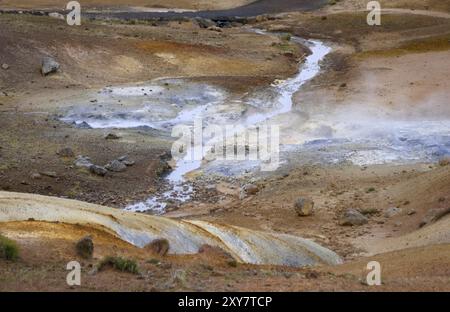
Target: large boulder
{"type": "Point", "coordinates": [352, 217]}
{"type": "Point", "coordinates": [304, 207]}
{"type": "Point", "coordinates": [49, 65]}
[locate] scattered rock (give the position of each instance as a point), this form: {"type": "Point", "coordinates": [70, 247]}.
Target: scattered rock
{"type": "Point", "coordinates": [49, 65]}
{"type": "Point", "coordinates": [112, 136]}
{"type": "Point", "coordinates": [116, 166]}
{"type": "Point", "coordinates": [35, 176]}
{"type": "Point", "coordinates": [83, 162]}
{"type": "Point", "coordinates": [126, 161]}
{"type": "Point", "coordinates": [98, 170]}
{"type": "Point", "coordinates": [204, 22]}
{"type": "Point", "coordinates": [56, 15]}
{"type": "Point", "coordinates": [250, 189]}
{"type": "Point", "coordinates": [83, 125]}
{"type": "Point", "coordinates": [85, 247]}
{"type": "Point", "coordinates": [352, 217]}
{"type": "Point", "coordinates": [5, 66]}
{"type": "Point", "coordinates": [215, 28]}
{"type": "Point", "coordinates": [50, 174]}
{"type": "Point", "coordinates": [434, 215]}
{"type": "Point", "coordinates": [66, 152]}
{"type": "Point", "coordinates": [304, 207]}
{"type": "Point", "coordinates": [159, 246]}
{"type": "Point", "coordinates": [392, 211]}
{"type": "Point", "coordinates": [411, 212]}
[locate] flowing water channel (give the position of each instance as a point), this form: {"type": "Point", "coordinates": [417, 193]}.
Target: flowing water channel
{"type": "Point", "coordinates": [164, 104]}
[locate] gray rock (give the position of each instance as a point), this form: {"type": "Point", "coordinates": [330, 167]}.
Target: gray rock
{"type": "Point", "coordinates": [5, 66]}
{"type": "Point", "coordinates": [304, 207]}
{"type": "Point", "coordinates": [83, 125]}
{"type": "Point", "coordinates": [36, 176]}
{"type": "Point", "coordinates": [85, 247]}
{"type": "Point", "coordinates": [215, 28]}
{"type": "Point", "coordinates": [56, 15]}
{"type": "Point", "coordinates": [83, 162]}
{"type": "Point", "coordinates": [128, 163]}
{"type": "Point", "coordinates": [204, 22]}
{"type": "Point", "coordinates": [434, 215]}
{"type": "Point", "coordinates": [66, 152]}
{"type": "Point", "coordinates": [98, 170]}
{"type": "Point", "coordinates": [352, 217]}
{"type": "Point", "coordinates": [392, 211]}
{"type": "Point", "coordinates": [116, 166]}
{"type": "Point", "coordinates": [49, 65]}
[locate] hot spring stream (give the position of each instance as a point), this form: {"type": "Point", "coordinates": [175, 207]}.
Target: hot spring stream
{"type": "Point", "coordinates": [163, 104]}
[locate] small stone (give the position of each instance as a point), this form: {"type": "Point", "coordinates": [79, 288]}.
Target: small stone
{"type": "Point", "coordinates": [215, 28]}
{"type": "Point", "coordinates": [352, 217]}
{"type": "Point", "coordinates": [50, 174]}
{"type": "Point", "coordinates": [128, 163]}
{"type": "Point", "coordinates": [250, 189]}
{"type": "Point", "coordinates": [83, 162]}
{"type": "Point", "coordinates": [85, 247]}
{"type": "Point", "coordinates": [392, 211]}
{"type": "Point", "coordinates": [56, 15]}
{"type": "Point", "coordinates": [35, 176]}
{"type": "Point", "coordinates": [204, 23]}
{"type": "Point", "coordinates": [5, 66]}
{"type": "Point", "coordinates": [304, 207]}
{"type": "Point", "coordinates": [98, 170]}
{"type": "Point", "coordinates": [83, 125]}
{"type": "Point", "coordinates": [116, 166]}
{"type": "Point", "coordinates": [49, 65]}
{"type": "Point", "coordinates": [411, 212]}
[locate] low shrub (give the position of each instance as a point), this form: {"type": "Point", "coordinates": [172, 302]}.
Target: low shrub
{"type": "Point", "coordinates": [121, 264]}
{"type": "Point", "coordinates": [8, 249]}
